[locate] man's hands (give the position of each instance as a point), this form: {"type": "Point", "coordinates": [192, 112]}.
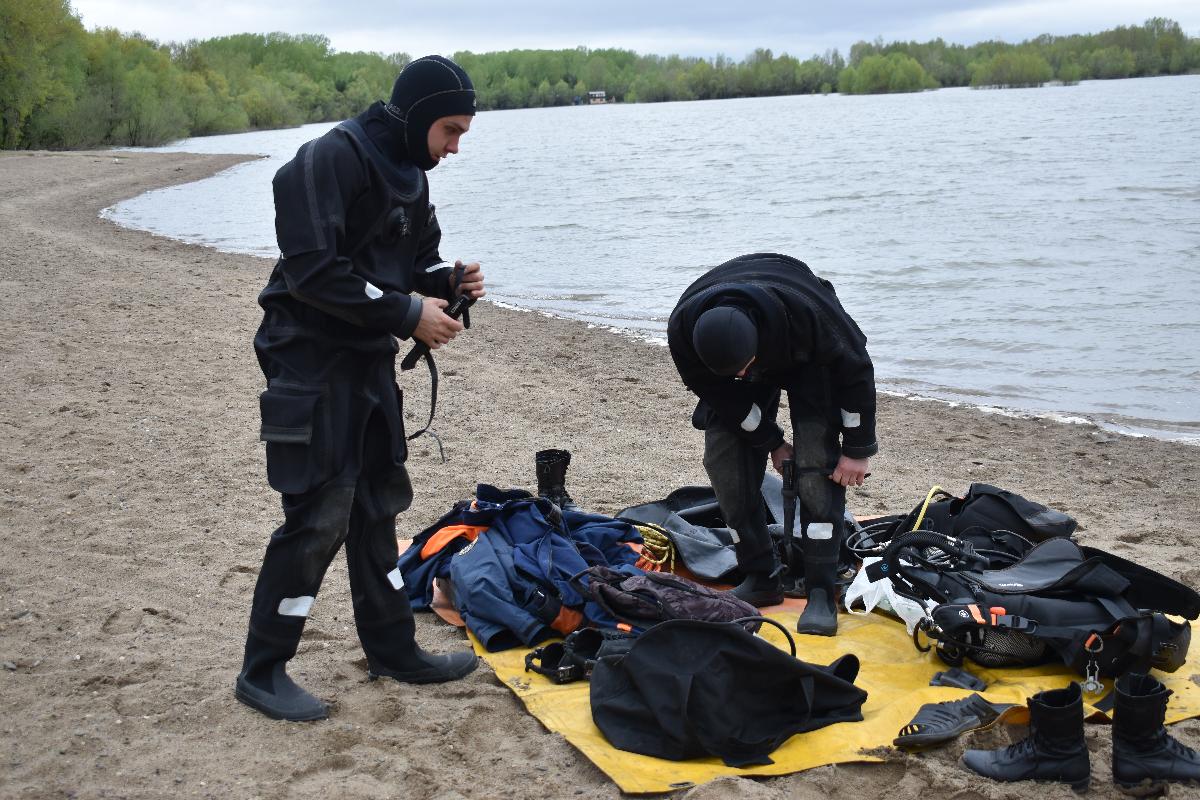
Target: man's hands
{"type": "Point", "coordinates": [848, 472]}
{"type": "Point", "coordinates": [471, 284]}
{"type": "Point", "coordinates": [435, 328]}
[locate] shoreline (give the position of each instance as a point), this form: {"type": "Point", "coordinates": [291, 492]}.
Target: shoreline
{"type": "Point", "coordinates": [1190, 437]}
{"type": "Point", "coordinates": [135, 511]}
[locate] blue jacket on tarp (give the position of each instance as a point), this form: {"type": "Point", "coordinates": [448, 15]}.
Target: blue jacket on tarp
{"type": "Point", "coordinates": [510, 584]}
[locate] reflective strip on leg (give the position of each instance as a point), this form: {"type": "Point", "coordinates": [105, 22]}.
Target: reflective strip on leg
{"type": "Point", "coordinates": [819, 530]}
{"type": "Point", "coordinates": [296, 606]}
{"type": "Point", "coordinates": [396, 579]}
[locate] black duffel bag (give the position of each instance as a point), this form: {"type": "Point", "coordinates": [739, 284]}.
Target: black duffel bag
{"type": "Point", "coordinates": [691, 689]}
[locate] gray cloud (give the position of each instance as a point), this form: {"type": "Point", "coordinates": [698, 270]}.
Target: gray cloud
{"type": "Point", "coordinates": [702, 27]}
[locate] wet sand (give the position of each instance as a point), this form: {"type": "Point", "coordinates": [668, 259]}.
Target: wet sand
{"type": "Point", "coordinates": [135, 510]}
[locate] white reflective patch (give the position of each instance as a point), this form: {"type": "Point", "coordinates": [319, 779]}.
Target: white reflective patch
{"type": "Point", "coordinates": [374, 292]}
{"type": "Point", "coordinates": [820, 530]}
{"type": "Point", "coordinates": [296, 606]}
{"type": "Point", "coordinates": [750, 423]}
{"type": "Point", "coordinates": [397, 580]}
{"type": "Point", "coordinates": [851, 419]}
{"type": "Point", "coordinates": [733, 535]}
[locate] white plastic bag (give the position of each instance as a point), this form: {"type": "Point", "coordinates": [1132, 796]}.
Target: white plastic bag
{"type": "Point", "coordinates": [883, 595]}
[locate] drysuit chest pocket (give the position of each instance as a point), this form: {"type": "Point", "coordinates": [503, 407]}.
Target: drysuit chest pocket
{"type": "Point", "coordinates": [296, 439]}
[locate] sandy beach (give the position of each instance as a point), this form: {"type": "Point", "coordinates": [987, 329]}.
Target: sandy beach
{"type": "Point", "coordinates": [135, 510]}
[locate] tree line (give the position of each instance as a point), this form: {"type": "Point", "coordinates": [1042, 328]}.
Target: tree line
{"type": "Point", "coordinates": [62, 86]}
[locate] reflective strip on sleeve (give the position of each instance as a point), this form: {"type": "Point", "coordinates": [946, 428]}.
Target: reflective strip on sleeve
{"type": "Point", "coordinates": [851, 419]}
{"type": "Point", "coordinates": [819, 530]}
{"type": "Point", "coordinates": [750, 423]}
{"type": "Point", "coordinates": [296, 606]}
{"type": "Point", "coordinates": [374, 292]}
{"type": "Point", "coordinates": [396, 579]}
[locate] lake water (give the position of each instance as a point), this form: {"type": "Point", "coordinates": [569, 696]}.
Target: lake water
{"type": "Point", "coordinates": [1035, 249]}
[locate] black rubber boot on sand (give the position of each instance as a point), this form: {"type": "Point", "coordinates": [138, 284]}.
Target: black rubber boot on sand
{"type": "Point", "coordinates": [551, 466]}
{"type": "Point", "coordinates": [1055, 749]}
{"type": "Point", "coordinates": [392, 652]}
{"type": "Point", "coordinates": [1146, 757]}
{"type": "Point", "coordinates": [431, 668]}
{"type": "Point", "coordinates": [264, 684]}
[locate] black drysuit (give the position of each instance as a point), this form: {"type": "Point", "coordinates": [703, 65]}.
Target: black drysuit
{"type": "Point", "coordinates": [809, 347]}
{"type": "Point", "coordinates": [356, 234]}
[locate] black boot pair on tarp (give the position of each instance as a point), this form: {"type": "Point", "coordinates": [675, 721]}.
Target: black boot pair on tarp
{"type": "Point", "coordinates": [1145, 757]}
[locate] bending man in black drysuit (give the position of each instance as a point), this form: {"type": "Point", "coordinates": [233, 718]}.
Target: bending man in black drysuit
{"type": "Point", "coordinates": [356, 234]}
{"type": "Point", "coordinates": [742, 333]}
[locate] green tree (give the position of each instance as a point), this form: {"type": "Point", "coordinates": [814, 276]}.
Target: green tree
{"type": "Point", "coordinates": [879, 74]}
{"type": "Point", "coordinates": [40, 62]}
{"type": "Point", "coordinates": [1012, 69]}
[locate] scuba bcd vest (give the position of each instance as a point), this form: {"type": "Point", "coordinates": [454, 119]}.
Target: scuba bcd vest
{"type": "Point", "coordinates": [1010, 588]}
{"type": "Point", "coordinates": [1057, 602]}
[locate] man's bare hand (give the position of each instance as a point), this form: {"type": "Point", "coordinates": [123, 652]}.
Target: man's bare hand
{"type": "Point", "coordinates": [471, 284]}
{"type": "Point", "coordinates": [850, 471]}
{"type": "Point", "coordinates": [781, 454]}
{"type": "Point", "coordinates": [435, 328]}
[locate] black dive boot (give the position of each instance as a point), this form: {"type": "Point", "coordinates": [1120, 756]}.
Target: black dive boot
{"type": "Point", "coordinates": [392, 652]}
{"type": "Point", "coordinates": [1145, 756]}
{"type": "Point", "coordinates": [551, 468]}
{"type": "Point", "coordinates": [760, 588]}
{"type": "Point", "coordinates": [1055, 749]}
{"type": "Point", "coordinates": [821, 587]}
{"type": "Point", "coordinates": [264, 684]}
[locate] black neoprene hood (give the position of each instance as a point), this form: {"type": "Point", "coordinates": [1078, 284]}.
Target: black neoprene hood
{"type": "Point", "coordinates": [725, 339]}
{"type": "Point", "coordinates": [429, 88]}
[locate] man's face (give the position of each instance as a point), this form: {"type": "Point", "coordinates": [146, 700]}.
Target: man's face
{"type": "Point", "coordinates": [444, 135]}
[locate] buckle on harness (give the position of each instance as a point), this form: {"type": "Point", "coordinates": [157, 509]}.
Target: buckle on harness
{"type": "Point", "coordinates": [1011, 622]}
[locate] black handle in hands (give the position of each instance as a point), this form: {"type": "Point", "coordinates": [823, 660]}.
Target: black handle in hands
{"type": "Point", "coordinates": [420, 349]}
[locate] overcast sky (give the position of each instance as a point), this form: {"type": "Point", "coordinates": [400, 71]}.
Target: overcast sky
{"type": "Point", "coordinates": [699, 28]}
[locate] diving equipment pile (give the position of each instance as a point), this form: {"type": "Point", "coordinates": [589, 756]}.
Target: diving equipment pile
{"type": "Point", "coordinates": [1025, 593]}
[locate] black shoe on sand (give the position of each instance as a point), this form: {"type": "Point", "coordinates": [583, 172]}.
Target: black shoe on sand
{"type": "Point", "coordinates": [429, 669]}
{"type": "Point", "coordinates": [279, 697]}
{"type": "Point", "coordinates": [937, 723]}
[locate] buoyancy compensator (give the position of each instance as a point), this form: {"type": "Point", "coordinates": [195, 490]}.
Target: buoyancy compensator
{"type": "Point", "coordinates": [1000, 524]}
{"type": "Point", "coordinates": [1056, 602]}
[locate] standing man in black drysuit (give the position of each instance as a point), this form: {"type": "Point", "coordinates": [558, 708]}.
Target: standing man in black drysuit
{"type": "Point", "coordinates": [742, 333]}
{"type": "Point", "coordinates": [356, 234]}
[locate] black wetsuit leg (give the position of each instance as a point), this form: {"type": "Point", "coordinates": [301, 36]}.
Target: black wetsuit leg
{"type": "Point", "coordinates": [816, 421]}
{"type": "Point", "coordinates": [735, 470]}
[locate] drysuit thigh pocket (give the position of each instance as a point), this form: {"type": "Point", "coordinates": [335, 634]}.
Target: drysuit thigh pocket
{"type": "Point", "coordinates": [297, 439]}
{"type": "Point", "coordinates": [385, 488]}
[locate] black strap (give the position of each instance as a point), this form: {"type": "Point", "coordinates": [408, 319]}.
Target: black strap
{"type": "Point", "coordinates": [421, 350]}
{"type": "Point", "coordinates": [433, 389]}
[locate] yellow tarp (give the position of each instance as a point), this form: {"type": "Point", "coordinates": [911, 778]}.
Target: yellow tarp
{"type": "Point", "coordinates": [894, 674]}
